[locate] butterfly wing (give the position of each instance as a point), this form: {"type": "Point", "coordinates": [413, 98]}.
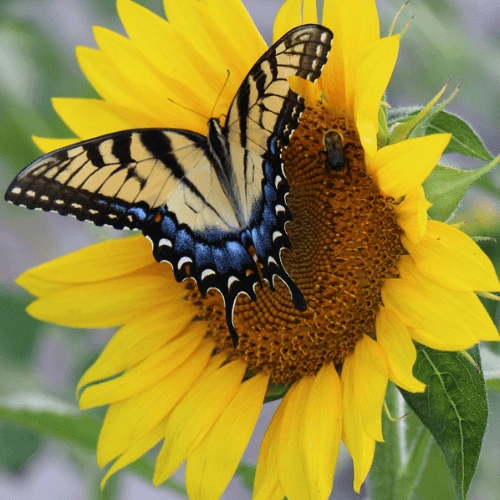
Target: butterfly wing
{"type": "Point", "coordinates": [120, 179]}
{"type": "Point", "coordinates": [265, 110]}
{"type": "Point", "coordinates": [161, 181]}
{"type": "Point", "coordinates": [260, 121]}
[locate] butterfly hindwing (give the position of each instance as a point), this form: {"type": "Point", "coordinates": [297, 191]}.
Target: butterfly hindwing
{"type": "Point", "coordinates": [213, 207]}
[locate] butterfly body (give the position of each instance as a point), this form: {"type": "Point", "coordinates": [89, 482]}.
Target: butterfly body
{"type": "Point", "coordinates": [213, 206]}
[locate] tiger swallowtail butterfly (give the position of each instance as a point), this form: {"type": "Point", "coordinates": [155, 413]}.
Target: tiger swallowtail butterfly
{"type": "Point", "coordinates": [214, 207]}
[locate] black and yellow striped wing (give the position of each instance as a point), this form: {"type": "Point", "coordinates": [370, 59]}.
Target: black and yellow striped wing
{"type": "Point", "coordinates": [121, 179]}
{"type": "Point", "coordinates": [214, 207]}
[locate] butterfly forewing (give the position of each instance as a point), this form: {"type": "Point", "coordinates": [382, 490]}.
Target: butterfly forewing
{"type": "Point", "coordinates": [122, 178]}
{"type": "Point", "coordinates": [214, 207]}
{"type": "Point", "coordinates": [265, 110]}
{"type": "Point", "coordinates": [261, 119]}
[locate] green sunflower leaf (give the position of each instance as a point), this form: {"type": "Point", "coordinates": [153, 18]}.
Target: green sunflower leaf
{"type": "Point", "coordinates": [446, 186]}
{"type": "Point", "coordinates": [52, 417]}
{"type": "Point", "coordinates": [464, 141]}
{"type": "Point", "coordinates": [454, 408]}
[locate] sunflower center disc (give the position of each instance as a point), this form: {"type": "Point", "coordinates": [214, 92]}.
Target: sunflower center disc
{"type": "Point", "coordinates": [345, 243]}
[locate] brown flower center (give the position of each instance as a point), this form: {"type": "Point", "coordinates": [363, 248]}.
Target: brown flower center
{"type": "Point", "coordinates": [345, 243]}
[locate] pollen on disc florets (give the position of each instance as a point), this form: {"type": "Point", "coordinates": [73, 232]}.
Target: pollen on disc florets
{"type": "Point", "coordinates": [345, 243]}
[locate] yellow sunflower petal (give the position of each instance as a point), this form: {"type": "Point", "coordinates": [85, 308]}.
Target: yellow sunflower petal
{"type": "Point", "coordinates": [393, 337]}
{"type": "Point", "coordinates": [102, 261]}
{"type": "Point", "coordinates": [467, 307]}
{"type": "Point", "coordinates": [309, 12]}
{"type": "Point", "coordinates": [152, 89]}
{"type": "Point", "coordinates": [136, 451]}
{"type": "Point", "coordinates": [145, 374]}
{"type": "Point", "coordinates": [192, 418]}
{"type": "Point", "coordinates": [292, 464]}
{"type": "Point", "coordinates": [356, 27]}
{"type": "Point", "coordinates": [89, 118]}
{"type": "Point", "coordinates": [237, 63]}
{"type": "Point", "coordinates": [213, 463]}
{"type": "Point", "coordinates": [360, 446]}
{"type": "Point", "coordinates": [105, 304]}
{"type": "Point", "coordinates": [370, 378]}
{"type": "Point", "coordinates": [310, 436]}
{"type": "Point", "coordinates": [401, 167]}
{"type": "Point", "coordinates": [102, 75]}
{"type": "Point", "coordinates": [155, 38]}
{"type": "Point", "coordinates": [266, 484]}
{"type": "Point", "coordinates": [412, 214]}
{"type": "Point", "coordinates": [294, 13]}
{"type": "Point", "coordinates": [37, 287]}
{"type": "Point", "coordinates": [230, 13]}
{"type": "Point", "coordinates": [48, 144]}
{"type": "Point", "coordinates": [373, 74]}
{"type": "Point", "coordinates": [452, 259]}
{"type": "Point", "coordinates": [433, 314]}
{"type": "Point", "coordinates": [190, 22]}
{"type": "Point", "coordinates": [138, 339]}
{"type": "Point", "coordinates": [127, 421]}
{"type": "Point", "coordinates": [322, 430]}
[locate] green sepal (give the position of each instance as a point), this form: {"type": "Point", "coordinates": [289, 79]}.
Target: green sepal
{"type": "Point", "coordinates": [446, 186]}
{"type": "Point", "coordinates": [383, 130]}
{"type": "Point", "coordinates": [454, 408]}
{"type": "Point", "coordinates": [403, 114]}
{"type": "Point", "coordinates": [415, 125]}
{"type": "Point", "coordinates": [275, 391]}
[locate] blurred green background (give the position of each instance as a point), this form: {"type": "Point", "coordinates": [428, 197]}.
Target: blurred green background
{"type": "Point", "coordinates": [448, 38]}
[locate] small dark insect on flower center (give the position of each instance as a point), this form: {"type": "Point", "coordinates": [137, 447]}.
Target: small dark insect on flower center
{"type": "Point", "coordinates": [345, 243]}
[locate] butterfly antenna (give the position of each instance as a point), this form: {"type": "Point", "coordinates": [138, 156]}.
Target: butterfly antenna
{"type": "Point", "coordinates": [188, 109]}
{"type": "Point", "coordinates": [220, 93]}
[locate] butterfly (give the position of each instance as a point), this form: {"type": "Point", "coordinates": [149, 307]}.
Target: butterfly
{"type": "Point", "coordinates": [213, 206]}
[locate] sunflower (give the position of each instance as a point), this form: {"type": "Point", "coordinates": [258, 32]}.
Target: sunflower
{"type": "Point", "coordinates": [375, 272]}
